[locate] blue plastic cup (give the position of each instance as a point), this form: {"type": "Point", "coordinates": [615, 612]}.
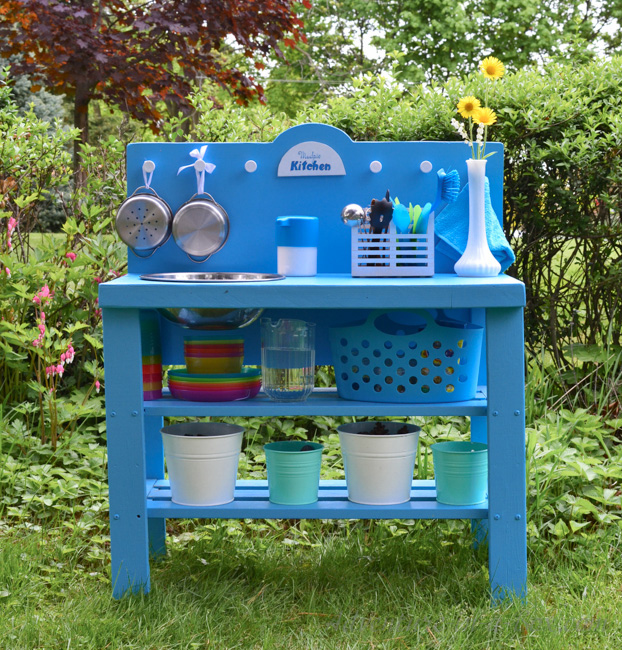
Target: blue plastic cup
{"type": "Point", "coordinates": [293, 475]}
{"type": "Point", "coordinates": [461, 472]}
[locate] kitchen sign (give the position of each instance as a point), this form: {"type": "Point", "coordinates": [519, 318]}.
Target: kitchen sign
{"type": "Point", "coordinates": [311, 159]}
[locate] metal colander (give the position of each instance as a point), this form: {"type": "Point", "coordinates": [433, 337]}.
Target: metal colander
{"type": "Point", "coordinates": [144, 221]}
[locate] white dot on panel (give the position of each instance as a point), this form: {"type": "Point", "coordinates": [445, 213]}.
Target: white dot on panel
{"type": "Point", "coordinates": [148, 166]}
{"type": "Point", "coordinates": [426, 166]}
{"type": "Point", "coordinates": [250, 166]}
{"type": "Point", "coordinates": [375, 166]}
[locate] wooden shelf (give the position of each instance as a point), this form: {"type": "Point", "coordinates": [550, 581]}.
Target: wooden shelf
{"type": "Point", "coordinates": [323, 401]}
{"type": "Point", "coordinates": [251, 501]}
{"type": "Point", "coordinates": [322, 291]}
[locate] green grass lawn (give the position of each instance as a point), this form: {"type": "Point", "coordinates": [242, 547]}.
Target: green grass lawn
{"type": "Point", "coordinates": [304, 585]}
{"type": "Point", "coordinates": [310, 584]}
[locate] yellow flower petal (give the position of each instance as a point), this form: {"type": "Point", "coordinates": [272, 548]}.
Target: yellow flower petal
{"type": "Point", "coordinates": [468, 105]}
{"type": "Point", "coordinates": [492, 68]}
{"type": "Point", "coordinates": [485, 116]}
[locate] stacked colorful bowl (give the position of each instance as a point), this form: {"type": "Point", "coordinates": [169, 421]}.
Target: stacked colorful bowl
{"type": "Point", "coordinates": [214, 371]}
{"type": "Point", "coordinates": [213, 355]}
{"type": "Point", "coordinates": [214, 388]}
{"type": "Point", "coordinates": [151, 354]}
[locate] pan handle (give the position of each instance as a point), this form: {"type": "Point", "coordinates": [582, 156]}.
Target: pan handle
{"type": "Point", "coordinates": [144, 257]}
{"type": "Point", "coordinates": [198, 260]}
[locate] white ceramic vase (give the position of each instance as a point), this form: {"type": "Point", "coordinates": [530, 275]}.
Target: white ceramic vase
{"type": "Point", "coordinates": [477, 261]}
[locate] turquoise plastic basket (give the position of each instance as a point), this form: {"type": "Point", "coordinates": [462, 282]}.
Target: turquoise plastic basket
{"type": "Point", "coordinates": [423, 360]}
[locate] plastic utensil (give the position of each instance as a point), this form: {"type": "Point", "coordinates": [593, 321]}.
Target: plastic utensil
{"type": "Point", "coordinates": [401, 218]}
{"type": "Point", "coordinates": [414, 213]}
{"type": "Point", "coordinates": [380, 214]}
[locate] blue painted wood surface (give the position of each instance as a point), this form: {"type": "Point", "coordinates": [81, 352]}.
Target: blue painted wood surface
{"type": "Point", "coordinates": [125, 426]}
{"type": "Point", "coordinates": [253, 201]}
{"type": "Point", "coordinates": [251, 501]}
{"type": "Point", "coordinates": [139, 496]}
{"type": "Point", "coordinates": [507, 522]}
{"type": "Point", "coordinates": [323, 401]}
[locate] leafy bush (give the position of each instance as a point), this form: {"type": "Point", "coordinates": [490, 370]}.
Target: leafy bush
{"type": "Point", "coordinates": [50, 324]}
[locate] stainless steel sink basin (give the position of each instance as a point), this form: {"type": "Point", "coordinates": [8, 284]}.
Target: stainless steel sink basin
{"type": "Point", "coordinates": [205, 318]}
{"type": "Point", "coordinates": [199, 318]}
{"type": "Point", "coordinates": [212, 277]}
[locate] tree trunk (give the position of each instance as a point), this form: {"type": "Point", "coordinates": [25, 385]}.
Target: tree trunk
{"type": "Point", "coordinates": [81, 122]}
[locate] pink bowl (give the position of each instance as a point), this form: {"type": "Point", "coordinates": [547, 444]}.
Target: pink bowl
{"type": "Point", "coordinates": [218, 395]}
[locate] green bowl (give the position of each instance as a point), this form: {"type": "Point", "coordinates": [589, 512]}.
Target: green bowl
{"type": "Point", "coordinates": [235, 377]}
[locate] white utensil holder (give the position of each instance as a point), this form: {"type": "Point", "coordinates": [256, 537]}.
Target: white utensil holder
{"type": "Point", "coordinates": [390, 255]}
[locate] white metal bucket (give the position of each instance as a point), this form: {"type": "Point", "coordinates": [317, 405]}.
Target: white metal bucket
{"type": "Point", "coordinates": [379, 468]}
{"type": "Point", "coordinates": [202, 461]}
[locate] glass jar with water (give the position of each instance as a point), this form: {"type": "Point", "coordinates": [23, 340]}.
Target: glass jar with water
{"type": "Point", "coordinates": [287, 359]}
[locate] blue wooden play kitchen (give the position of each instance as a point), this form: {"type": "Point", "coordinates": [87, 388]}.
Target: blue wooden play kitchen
{"type": "Point", "coordinates": [217, 245]}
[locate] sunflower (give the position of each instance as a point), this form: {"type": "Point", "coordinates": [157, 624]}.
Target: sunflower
{"type": "Point", "coordinates": [468, 105]}
{"type": "Point", "coordinates": [492, 68]}
{"type": "Point", "coordinates": [485, 116]}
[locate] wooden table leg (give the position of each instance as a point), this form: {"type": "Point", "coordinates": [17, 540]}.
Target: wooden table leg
{"type": "Point", "coordinates": [507, 554]}
{"type": "Point", "coordinates": [129, 547]}
{"type": "Point", "coordinates": [155, 469]}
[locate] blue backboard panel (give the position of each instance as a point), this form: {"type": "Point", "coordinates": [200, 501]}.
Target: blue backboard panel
{"type": "Point", "coordinates": [254, 199]}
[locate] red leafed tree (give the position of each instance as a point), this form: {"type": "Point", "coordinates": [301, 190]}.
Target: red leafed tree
{"type": "Point", "coordinates": [135, 53]}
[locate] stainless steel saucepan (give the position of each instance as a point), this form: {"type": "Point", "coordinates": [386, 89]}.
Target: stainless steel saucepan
{"type": "Point", "coordinates": [200, 227]}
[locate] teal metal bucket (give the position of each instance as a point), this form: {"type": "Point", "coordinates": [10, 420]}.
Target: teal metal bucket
{"type": "Point", "coordinates": [461, 472]}
{"type": "Point", "coordinates": [293, 475]}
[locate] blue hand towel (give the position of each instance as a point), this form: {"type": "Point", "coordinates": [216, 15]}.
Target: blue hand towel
{"type": "Point", "coordinates": [451, 225]}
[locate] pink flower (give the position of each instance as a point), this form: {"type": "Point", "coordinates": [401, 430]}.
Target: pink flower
{"type": "Point", "coordinates": [8, 271]}
{"type": "Point", "coordinates": [43, 294]}
{"type": "Point", "coordinates": [42, 328]}
{"type": "Point", "coordinates": [9, 232]}
{"type": "Point", "coordinates": [97, 385]}
{"type": "Point", "coordinates": [60, 370]}
{"type": "Point", "coordinates": [71, 256]}
{"type": "Point", "coordinates": [49, 371]}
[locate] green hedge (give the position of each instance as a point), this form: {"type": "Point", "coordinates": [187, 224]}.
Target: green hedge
{"type": "Point", "coordinates": [562, 128]}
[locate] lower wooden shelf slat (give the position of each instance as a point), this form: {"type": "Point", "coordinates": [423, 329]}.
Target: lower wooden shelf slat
{"type": "Point", "coordinates": [251, 502]}
{"type": "Point", "coordinates": [323, 401]}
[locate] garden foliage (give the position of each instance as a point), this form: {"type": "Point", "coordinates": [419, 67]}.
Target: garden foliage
{"type": "Point", "coordinates": [562, 210]}
{"type": "Point", "coordinates": [50, 323]}
{"type": "Point", "coordinates": [562, 130]}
